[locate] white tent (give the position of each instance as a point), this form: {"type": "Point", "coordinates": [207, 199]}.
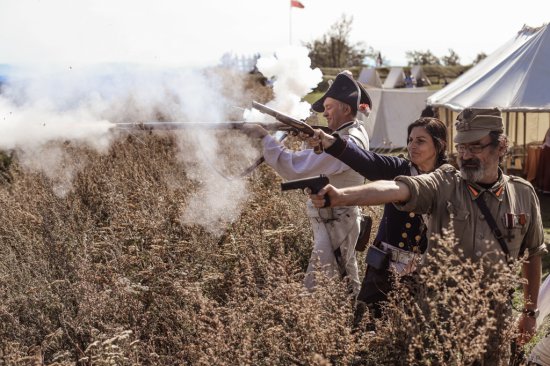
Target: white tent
{"type": "Point", "coordinates": [395, 78]}
{"type": "Point", "coordinates": [392, 111]}
{"type": "Point", "coordinates": [369, 76]}
{"type": "Point", "coordinates": [418, 73]}
{"type": "Point", "coordinates": [515, 78]}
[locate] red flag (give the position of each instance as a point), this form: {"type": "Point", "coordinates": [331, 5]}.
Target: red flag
{"type": "Point", "coordinates": [296, 4]}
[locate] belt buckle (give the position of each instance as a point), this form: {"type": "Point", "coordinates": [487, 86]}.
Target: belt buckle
{"type": "Point", "coordinates": [403, 257]}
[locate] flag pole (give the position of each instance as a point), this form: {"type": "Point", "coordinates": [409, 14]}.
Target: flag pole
{"type": "Point", "coordinates": [290, 23]}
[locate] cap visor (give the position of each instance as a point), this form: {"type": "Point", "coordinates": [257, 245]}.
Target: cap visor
{"type": "Point", "coordinates": [469, 136]}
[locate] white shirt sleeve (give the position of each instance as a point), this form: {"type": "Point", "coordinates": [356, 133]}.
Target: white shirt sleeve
{"type": "Point", "coordinates": [299, 164]}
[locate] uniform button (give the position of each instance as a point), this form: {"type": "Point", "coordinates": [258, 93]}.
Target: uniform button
{"type": "Point", "coordinates": [404, 235]}
{"type": "Point", "coordinates": [478, 253]}
{"type": "Point", "coordinates": [411, 214]}
{"type": "Point", "coordinates": [417, 238]}
{"type": "Point", "coordinates": [415, 248]}
{"type": "Point", "coordinates": [401, 244]}
{"type": "Point", "coordinates": [408, 225]}
{"type": "Point", "coordinates": [482, 217]}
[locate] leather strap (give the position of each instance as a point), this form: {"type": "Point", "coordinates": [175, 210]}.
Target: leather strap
{"type": "Point", "coordinates": [492, 224]}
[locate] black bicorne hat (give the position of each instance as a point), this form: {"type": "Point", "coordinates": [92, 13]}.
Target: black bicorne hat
{"type": "Point", "coordinates": [346, 90]}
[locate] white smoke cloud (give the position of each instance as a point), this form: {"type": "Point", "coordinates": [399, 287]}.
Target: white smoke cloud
{"type": "Point", "coordinates": [81, 105]}
{"type": "Point", "coordinates": [293, 78]}
{"type": "Point", "coordinates": [220, 197]}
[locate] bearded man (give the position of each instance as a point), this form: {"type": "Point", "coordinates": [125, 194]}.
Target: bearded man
{"type": "Point", "coordinates": [494, 215]}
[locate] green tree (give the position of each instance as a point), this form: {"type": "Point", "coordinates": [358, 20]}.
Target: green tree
{"type": "Point", "coordinates": [421, 58]}
{"type": "Point", "coordinates": [334, 48]}
{"type": "Point", "coordinates": [452, 59]}
{"type": "Point", "coordinates": [480, 56]}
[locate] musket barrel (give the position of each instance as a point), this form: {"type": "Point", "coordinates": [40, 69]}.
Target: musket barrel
{"type": "Point", "coordinates": [175, 125]}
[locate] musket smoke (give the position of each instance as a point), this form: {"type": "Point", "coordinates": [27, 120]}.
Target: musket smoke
{"type": "Point", "coordinates": [81, 104]}
{"type": "Point", "coordinates": [293, 78]}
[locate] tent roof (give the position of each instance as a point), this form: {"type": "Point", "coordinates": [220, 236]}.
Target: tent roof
{"type": "Point", "coordinates": [418, 72]}
{"type": "Point", "coordinates": [370, 77]}
{"type": "Point", "coordinates": [516, 77]}
{"type": "Point", "coordinates": [387, 125]}
{"type": "Point", "coordinates": [395, 78]}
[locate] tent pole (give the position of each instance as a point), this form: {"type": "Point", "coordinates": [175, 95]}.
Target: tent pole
{"type": "Point", "coordinates": [450, 126]}
{"type": "Point", "coordinates": [508, 123]}
{"type": "Point", "coordinates": [516, 128]}
{"type": "Point", "coordinates": [508, 134]}
{"type": "Point", "coordinates": [524, 137]}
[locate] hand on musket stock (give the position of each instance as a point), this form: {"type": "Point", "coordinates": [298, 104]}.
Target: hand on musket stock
{"type": "Point", "coordinates": [320, 138]}
{"type": "Point", "coordinates": [296, 124]}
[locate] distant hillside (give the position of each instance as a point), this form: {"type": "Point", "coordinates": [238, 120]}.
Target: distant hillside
{"type": "Point", "coordinates": [436, 73]}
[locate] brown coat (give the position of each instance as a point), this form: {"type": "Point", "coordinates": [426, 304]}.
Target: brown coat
{"type": "Point", "coordinates": [448, 199]}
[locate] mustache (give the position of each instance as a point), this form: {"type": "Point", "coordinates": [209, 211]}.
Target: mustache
{"type": "Point", "coordinates": [473, 162]}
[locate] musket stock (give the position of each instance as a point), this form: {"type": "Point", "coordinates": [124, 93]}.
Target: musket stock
{"type": "Point", "coordinates": [287, 120]}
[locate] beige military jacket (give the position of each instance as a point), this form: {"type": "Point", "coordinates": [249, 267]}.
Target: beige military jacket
{"type": "Point", "coordinates": [448, 199]}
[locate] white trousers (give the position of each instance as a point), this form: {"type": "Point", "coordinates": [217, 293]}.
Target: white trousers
{"type": "Point", "coordinates": [334, 228]}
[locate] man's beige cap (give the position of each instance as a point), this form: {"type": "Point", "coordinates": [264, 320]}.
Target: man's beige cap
{"type": "Point", "coordinates": [472, 124]}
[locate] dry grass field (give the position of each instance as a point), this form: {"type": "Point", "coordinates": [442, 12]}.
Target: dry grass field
{"type": "Point", "coordinates": [109, 273]}
{"type": "Point", "coordinates": [139, 255]}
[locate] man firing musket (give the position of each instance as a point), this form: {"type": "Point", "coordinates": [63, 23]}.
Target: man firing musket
{"type": "Point", "coordinates": [335, 230]}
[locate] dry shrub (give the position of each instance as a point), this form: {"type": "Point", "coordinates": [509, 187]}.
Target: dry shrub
{"type": "Point", "coordinates": [453, 312]}
{"type": "Point", "coordinates": [110, 265]}
{"type": "Point", "coordinates": [108, 274]}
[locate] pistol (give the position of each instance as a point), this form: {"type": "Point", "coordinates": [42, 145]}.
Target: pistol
{"type": "Point", "coordinates": [314, 184]}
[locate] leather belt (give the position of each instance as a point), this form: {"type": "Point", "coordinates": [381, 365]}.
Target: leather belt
{"type": "Point", "coordinates": [398, 255]}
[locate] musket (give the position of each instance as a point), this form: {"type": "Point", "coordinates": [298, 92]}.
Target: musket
{"type": "Point", "coordinates": [234, 125]}
{"type": "Point", "coordinates": [296, 124]}
{"type": "Point", "coordinates": [175, 125]}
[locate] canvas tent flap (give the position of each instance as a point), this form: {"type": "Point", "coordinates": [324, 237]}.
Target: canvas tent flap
{"type": "Point", "coordinates": [395, 78]}
{"type": "Point", "coordinates": [418, 73]}
{"type": "Point", "coordinates": [516, 77]}
{"type": "Point", "coordinates": [393, 110]}
{"type": "Point", "coordinates": [369, 76]}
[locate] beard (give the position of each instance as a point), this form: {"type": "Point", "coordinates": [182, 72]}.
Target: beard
{"type": "Point", "coordinates": [472, 170]}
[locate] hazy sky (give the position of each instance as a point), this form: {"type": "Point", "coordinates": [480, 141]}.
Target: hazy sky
{"type": "Point", "coordinates": [199, 32]}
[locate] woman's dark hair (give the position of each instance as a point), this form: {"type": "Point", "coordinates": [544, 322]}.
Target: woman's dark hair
{"type": "Point", "coordinates": [438, 132]}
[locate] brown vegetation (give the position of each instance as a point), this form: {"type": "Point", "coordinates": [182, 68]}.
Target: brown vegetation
{"type": "Point", "coordinates": [132, 257]}
{"type": "Point", "coordinates": [105, 271]}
